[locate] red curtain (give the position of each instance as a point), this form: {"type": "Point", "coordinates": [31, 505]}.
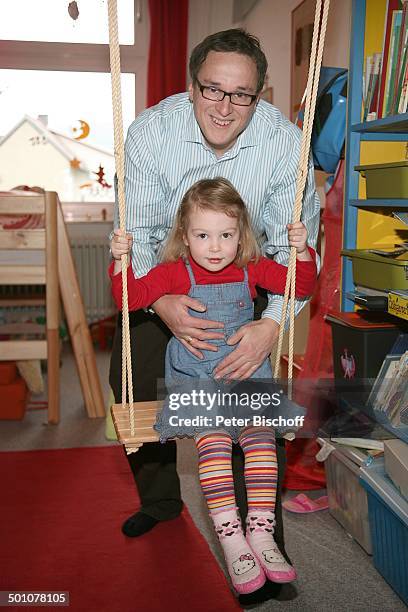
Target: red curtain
{"type": "Point", "coordinates": [168, 49]}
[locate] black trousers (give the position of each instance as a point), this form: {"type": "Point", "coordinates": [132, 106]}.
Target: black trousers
{"type": "Point", "coordinates": [154, 464]}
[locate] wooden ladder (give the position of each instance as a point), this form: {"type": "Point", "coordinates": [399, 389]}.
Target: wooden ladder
{"type": "Point", "coordinates": [57, 274]}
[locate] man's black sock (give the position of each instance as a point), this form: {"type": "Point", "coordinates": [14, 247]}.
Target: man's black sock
{"type": "Point", "coordinates": [138, 524]}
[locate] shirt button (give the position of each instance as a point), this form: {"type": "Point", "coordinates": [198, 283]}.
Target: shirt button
{"type": "Point", "coordinates": [242, 304]}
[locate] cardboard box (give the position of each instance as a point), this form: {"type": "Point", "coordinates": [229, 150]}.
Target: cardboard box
{"type": "Point", "coordinates": [396, 464]}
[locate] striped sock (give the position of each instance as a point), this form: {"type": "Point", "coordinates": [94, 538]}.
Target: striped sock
{"type": "Point", "coordinates": [215, 470]}
{"type": "Point", "coordinates": [261, 468]}
{"type": "Point", "coordinates": [261, 473]}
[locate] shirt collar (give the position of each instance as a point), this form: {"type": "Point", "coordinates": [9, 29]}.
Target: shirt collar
{"type": "Point", "coordinates": [192, 131]}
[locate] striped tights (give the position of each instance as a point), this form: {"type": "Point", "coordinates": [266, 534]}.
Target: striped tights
{"type": "Point", "coordinates": [215, 468]}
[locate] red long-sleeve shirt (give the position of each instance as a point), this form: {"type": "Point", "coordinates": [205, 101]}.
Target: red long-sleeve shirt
{"type": "Point", "coordinates": [172, 278]}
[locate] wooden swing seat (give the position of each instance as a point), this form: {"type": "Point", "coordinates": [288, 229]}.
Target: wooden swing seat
{"type": "Point", "coordinates": [145, 418]}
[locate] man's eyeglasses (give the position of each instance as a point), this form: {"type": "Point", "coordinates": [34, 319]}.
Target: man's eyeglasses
{"type": "Point", "coordinates": [217, 95]}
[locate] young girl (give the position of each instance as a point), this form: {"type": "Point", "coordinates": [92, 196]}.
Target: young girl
{"type": "Point", "coordinates": [212, 255]}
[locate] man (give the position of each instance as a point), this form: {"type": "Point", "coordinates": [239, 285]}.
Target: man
{"type": "Point", "coordinates": [219, 128]}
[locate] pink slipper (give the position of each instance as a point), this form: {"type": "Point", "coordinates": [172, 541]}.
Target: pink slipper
{"type": "Point", "coordinates": [302, 504]}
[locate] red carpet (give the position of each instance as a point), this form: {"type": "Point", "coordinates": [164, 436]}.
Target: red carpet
{"type": "Point", "coordinates": [60, 517]}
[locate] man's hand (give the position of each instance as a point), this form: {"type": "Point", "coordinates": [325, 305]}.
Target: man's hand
{"type": "Point", "coordinates": [173, 310]}
{"type": "Point", "coordinates": [255, 344]}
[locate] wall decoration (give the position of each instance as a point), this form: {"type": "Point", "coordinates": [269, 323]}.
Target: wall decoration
{"type": "Point", "coordinates": [73, 10]}
{"type": "Point", "coordinates": [101, 178]}
{"type": "Point", "coordinates": [302, 33]}
{"type": "Point", "coordinates": [75, 164]}
{"type": "Point", "coordinates": [83, 130]}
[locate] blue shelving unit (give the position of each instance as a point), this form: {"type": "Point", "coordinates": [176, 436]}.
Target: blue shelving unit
{"type": "Point", "coordinates": [371, 203]}
{"type": "Point", "coordinates": [387, 129]}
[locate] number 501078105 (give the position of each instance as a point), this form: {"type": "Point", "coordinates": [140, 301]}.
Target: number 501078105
{"type": "Point", "coordinates": [34, 598]}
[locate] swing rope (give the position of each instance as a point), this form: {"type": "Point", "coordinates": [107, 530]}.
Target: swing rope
{"type": "Point", "coordinates": [119, 150]}
{"type": "Point", "coordinates": [319, 32]}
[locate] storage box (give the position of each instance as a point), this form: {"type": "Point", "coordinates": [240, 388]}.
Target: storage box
{"type": "Point", "coordinates": [388, 515]}
{"type": "Point", "coordinates": [386, 180]}
{"type": "Point", "coordinates": [13, 400]}
{"type": "Point", "coordinates": [396, 464]}
{"type": "Point", "coordinates": [377, 271]}
{"type": "Point", "coordinates": [361, 340]}
{"type": "Point", "coordinates": [347, 498]}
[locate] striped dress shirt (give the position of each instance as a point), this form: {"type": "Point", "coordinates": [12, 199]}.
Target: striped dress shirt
{"type": "Point", "coordinates": [166, 153]}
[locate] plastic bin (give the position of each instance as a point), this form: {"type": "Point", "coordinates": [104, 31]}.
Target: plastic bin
{"type": "Point", "coordinates": [377, 271]}
{"type": "Point", "coordinates": [361, 340]}
{"type": "Point", "coordinates": [388, 515]}
{"type": "Point", "coordinates": [386, 180]}
{"type": "Point", "coordinates": [347, 498]}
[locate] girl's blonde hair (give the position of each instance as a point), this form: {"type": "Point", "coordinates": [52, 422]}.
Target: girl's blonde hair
{"type": "Point", "coordinates": [221, 196]}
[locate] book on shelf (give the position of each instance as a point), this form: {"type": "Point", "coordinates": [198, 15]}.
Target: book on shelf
{"type": "Point", "coordinates": [395, 403]}
{"type": "Point", "coordinates": [399, 103]}
{"type": "Point", "coordinates": [389, 394]}
{"type": "Point", "coordinates": [392, 75]}
{"type": "Point", "coordinates": [371, 78]}
{"type": "Point", "coordinates": [403, 101]}
{"type": "Point", "coordinates": [392, 61]}
{"type": "Point", "coordinates": [401, 59]}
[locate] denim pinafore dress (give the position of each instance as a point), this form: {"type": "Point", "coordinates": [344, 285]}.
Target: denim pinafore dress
{"type": "Point", "coordinates": [228, 303]}
{"type": "Point", "coordinates": [231, 304]}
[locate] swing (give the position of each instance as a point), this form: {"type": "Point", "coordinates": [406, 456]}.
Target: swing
{"type": "Point", "coordinates": [134, 421]}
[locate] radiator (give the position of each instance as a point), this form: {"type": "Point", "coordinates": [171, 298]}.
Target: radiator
{"type": "Point", "coordinates": [92, 258]}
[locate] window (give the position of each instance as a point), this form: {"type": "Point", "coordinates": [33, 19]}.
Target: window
{"type": "Point", "coordinates": [49, 21]}
{"type": "Point", "coordinates": [65, 98]}
{"type": "Point", "coordinates": [56, 67]}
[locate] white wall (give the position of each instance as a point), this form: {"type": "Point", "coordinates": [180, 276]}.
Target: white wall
{"type": "Point", "coordinates": [271, 21]}
{"type": "Point", "coordinates": [206, 17]}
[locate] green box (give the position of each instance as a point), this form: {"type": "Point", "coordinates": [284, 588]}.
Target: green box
{"type": "Point", "coordinates": [386, 180]}
{"type": "Point", "coordinates": [378, 272]}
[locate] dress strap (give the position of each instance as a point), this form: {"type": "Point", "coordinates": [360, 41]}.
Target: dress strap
{"type": "Point", "coordinates": [190, 271]}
